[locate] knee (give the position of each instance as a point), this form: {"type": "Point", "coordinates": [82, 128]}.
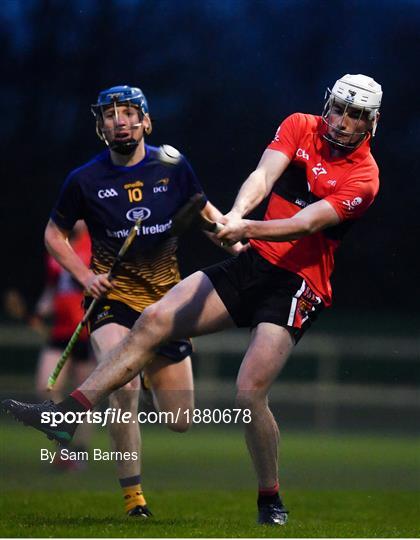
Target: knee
{"type": "Point", "coordinates": [180, 427]}
{"type": "Point", "coordinates": [250, 398]}
{"type": "Point", "coordinates": [180, 420]}
{"type": "Point", "coordinates": [151, 328]}
{"type": "Point", "coordinates": [251, 388]}
{"type": "Point", "coordinates": [154, 316]}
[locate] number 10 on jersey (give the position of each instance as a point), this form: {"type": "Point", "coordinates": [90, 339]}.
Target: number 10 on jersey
{"type": "Point", "coordinates": [134, 194]}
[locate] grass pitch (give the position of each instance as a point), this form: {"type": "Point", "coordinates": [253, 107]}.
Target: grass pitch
{"type": "Point", "coordinates": [201, 484]}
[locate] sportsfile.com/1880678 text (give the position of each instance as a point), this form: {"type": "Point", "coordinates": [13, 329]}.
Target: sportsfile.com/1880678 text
{"type": "Point", "coordinates": [116, 416]}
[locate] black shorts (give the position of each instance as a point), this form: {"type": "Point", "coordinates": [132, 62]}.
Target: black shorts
{"type": "Point", "coordinates": [255, 291]}
{"type": "Point", "coordinates": [81, 350]}
{"type": "Point", "coordinates": [113, 311]}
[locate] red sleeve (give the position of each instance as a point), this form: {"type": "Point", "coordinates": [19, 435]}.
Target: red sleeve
{"type": "Point", "coordinates": [288, 134]}
{"type": "Point", "coordinates": [82, 247]}
{"type": "Point", "coordinates": [53, 270]}
{"type": "Point", "coordinates": [356, 194]}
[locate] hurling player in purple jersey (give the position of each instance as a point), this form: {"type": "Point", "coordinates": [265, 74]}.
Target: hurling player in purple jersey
{"type": "Point", "coordinates": [130, 179]}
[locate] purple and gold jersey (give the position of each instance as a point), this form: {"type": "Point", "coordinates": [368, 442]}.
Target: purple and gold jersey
{"type": "Point", "coordinates": [110, 199]}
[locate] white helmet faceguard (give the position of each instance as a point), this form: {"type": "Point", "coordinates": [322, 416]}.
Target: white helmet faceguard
{"type": "Point", "coordinates": [353, 92]}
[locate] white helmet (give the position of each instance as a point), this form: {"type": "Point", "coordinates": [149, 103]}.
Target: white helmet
{"type": "Point", "coordinates": [355, 91]}
{"type": "Point", "coordinates": [358, 91]}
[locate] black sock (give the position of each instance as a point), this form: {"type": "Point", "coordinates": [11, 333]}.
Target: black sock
{"type": "Point", "coordinates": [69, 404]}
{"type": "Point", "coordinates": [268, 499]}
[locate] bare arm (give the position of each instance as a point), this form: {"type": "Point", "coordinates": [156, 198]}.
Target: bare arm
{"type": "Point", "coordinates": [310, 220]}
{"type": "Point", "coordinates": [58, 245]}
{"type": "Point", "coordinates": [260, 182]}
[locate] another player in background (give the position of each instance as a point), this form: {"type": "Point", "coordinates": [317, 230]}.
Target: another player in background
{"type": "Point", "coordinates": [126, 181]}
{"type": "Point", "coordinates": [321, 177]}
{"type": "Point", "coordinates": [55, 317]}
{"type": "Point", "coordinates": [62, 302]}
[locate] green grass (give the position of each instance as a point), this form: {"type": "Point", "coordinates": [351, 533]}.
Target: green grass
{"type": "Point", "coordinates": [193, 513]}
{"type": "Point", "coordinates": [201, 484]}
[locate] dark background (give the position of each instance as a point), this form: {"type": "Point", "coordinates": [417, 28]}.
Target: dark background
{"type": "Point", "coordinates": [219, 77]}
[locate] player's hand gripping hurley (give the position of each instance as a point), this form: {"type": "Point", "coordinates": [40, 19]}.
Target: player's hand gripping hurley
{"type": "Point", "coordinates": [52, 379]}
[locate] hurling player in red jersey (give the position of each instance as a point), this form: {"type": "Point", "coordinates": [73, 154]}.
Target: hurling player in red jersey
{"type": "Point", "coordinates": [62, 301]}
{"type": "Point", "coordinates": [320, 176]}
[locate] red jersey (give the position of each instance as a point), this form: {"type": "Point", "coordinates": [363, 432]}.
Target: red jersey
{"type": "Point", "coordinates": [68, 297]}
{"type": "Point", "coordinates": [349, 183]}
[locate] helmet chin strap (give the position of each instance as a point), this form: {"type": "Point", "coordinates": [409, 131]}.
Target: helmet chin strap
{"type": "Point", "coordinates": [126, 147]}
{"type": "Point", "coordinates": [342, 146]}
